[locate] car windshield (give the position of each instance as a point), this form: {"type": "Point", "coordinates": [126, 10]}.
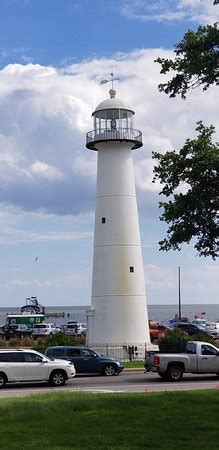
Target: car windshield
{"type": "Point", "coordinates": [95, 353]}
{"type": "Point", "coordinates": [201, 327]}
{"type": "Point", "coordinates": [41, 326]}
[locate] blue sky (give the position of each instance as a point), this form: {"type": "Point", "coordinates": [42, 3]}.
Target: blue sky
{"type": "Point", "coordinates": [55, 31]}
{"type": "Point", "coordinates": [53, 53]}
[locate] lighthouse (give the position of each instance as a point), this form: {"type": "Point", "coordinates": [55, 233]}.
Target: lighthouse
{"type": "Point", "coordinates": [118, 314]}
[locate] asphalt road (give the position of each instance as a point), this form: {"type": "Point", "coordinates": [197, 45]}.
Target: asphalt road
{"type": "Point", "coordinates": [128, 381]}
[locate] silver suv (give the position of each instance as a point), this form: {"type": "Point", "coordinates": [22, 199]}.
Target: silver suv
{"type": "Point", "coordinates": [76, 329]}
{"type": "Point", "coordinates": [22, 365]}
{"type": "Point", "coordinates": [45, 329]}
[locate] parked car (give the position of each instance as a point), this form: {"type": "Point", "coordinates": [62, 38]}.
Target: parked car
{"type": "Point", "coordinates": [157, 331]}
{"type": "Point", "coordinates": [199, 322]}
{"type": "Point", "coordinates": [86, 360]}
{"type": "Point", "coordinates": [81, 329]}
{"type": "Point", "coordinates": [199, 357]}
{"type": "Point", "coordinates": [191, 329]}
{"type": "Point", "coordinates": [213, 328]}
{"type": "Point", "coordinates": [76, 329]}
{"type": "Point", "coordinates": [45, 329]}
{"type": "Point", "coordinates": [28, 365]}
{"type": "Point", "coordinates": [20, 331]}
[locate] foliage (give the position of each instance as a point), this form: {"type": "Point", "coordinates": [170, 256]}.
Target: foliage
{"type": "Point", "coordinates": [190, 177]}
{"type": "Point", "coordinates": [196, 62]}
{"type": "Point", "coordinates": [175, 340]}
{"type": "Point", "coordinates": [20, 342]}
{"type": "Point", "coordinates": [42, 343]}
{"type": "Point", "coordinates": [57, 339]}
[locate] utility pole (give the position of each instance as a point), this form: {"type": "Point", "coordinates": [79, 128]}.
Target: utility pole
{"type": "Point", "coordinates": [179, 290]}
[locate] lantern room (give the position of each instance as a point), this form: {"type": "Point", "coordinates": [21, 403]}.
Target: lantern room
{"type": "Point", "coordinates": [113, 121]}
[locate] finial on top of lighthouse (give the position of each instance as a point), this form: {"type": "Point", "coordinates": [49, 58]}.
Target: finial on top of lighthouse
{"type": "Point", "coordinates": [112, 93]}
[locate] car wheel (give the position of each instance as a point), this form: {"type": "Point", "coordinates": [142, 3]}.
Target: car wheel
{"type": "Point", "coordinates": [2, 380]}
{"type": "Point", "coordinates": [57, 378]}
{"type": "Point", "coordinates": [175, 373]}
{"type": "Point", "coordinates": [109, 370]}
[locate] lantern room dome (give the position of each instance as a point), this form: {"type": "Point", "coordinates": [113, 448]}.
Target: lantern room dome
{"type": "Point", "coordinates": [113, 103]}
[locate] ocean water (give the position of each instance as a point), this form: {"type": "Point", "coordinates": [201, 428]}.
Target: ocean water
{"type": "Point", "coordinates": [161, 313]}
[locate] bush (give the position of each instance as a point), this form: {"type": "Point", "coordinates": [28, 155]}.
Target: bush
{"type": "Point", "coordinates": [175, 341]}
{"type": "Point", "coordinates": [20, 342]}
{"type": "Point", "coordinates": [3, 343]}
{"type": "Point", "coordinates": [57, 339]}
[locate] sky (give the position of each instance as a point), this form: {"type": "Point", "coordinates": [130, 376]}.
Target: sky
{"type": "Point", "coordinates": [53, 54]}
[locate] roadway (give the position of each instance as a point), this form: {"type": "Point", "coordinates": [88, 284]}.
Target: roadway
{"type": "Point", "coordinates": [128, 381]}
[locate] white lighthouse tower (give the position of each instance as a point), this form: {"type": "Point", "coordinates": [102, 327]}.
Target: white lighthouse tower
{"type": "Point", "coordinates": [118, 313]}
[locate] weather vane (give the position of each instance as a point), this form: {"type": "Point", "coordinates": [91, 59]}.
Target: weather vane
{"type": "Point", "coordinates": [107, 81]}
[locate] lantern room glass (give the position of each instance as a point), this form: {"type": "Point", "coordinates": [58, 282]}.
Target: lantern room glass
{"type": "Point", "coordinates": [113, 119]}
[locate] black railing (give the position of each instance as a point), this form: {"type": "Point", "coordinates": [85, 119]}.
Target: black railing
{"type": "Point", "coordinates": [119, 134]}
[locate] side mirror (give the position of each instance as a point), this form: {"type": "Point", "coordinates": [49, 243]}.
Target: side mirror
{"type": "Point", "coordinates": [44, 361]}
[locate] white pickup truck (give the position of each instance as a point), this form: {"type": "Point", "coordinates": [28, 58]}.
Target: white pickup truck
{"type": "Point", "coordinates": [199, 357]}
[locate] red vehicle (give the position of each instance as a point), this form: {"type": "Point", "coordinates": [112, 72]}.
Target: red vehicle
{"type": "Point", "coordinates": [156, 330]}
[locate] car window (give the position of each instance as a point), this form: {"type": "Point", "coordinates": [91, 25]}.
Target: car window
{"type": "Point", "coordinates": [191, 348]}
{"type": "Point", "coordinates": [87, 353]}
{"type": "Point", "coordinates": [32, 357]}
{"type": "Point", "coordinates": [57, 352]}
{"type": "Point", "coordinates": [12, 357]}
{"type": "Point", "coordinates": [208, 350]}
{"type": "Point", "coordinates": [73, 352]}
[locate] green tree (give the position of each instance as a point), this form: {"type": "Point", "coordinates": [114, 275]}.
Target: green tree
{"type": "Point", "coordinates": [190, 178]}
{"type": "Point", "coordinates": [196, 62]}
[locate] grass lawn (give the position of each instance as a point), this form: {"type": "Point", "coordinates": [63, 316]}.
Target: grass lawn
{"type": "Point", "coordinates": [166, 420]}
{"type": "Point", "coordinates": [133, 364]}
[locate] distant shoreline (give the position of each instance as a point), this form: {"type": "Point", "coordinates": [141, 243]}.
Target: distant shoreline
{"type": "Point", "coordinates": [89, 306]}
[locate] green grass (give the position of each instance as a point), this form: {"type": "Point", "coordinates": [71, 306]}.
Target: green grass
{"type": "Point", "coordinates": [61, 421]}
{"type": "Point", "coordinates": [133, 364]}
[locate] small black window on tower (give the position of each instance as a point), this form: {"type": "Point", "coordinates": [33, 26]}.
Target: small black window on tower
{"type": "Point", "coordinates": [103, 219]}
{"type": "Point", "coordinates": [131, 269]}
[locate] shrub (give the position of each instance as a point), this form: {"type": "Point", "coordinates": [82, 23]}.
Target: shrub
{"type": "Point", "coordinates": [57, 339]}
{"type": "Point", "coordinates": [20, 342]}
{"type": "Point", "coordinates": [15, 342]}
{"type": "Point", "coordinates": [3, 343]}
{"type": "Point", "coordinates": [175, 341]}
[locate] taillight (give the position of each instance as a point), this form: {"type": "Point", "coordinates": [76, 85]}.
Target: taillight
{"type": "Point", "coordinates": [156, 360]}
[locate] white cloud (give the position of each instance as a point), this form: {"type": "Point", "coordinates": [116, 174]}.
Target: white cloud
{"type": "Point", "coordinates": [159, 277]}
{"type": "Point", "coordinates": [201, 11]}
{"type": "Point", "coordinates": [198, 283]}
{"type": "Point", "coordinates": [45, 113]}
{"type": "Point", "coordinates": [18, 227]}
{"type": "Point", "coordinates": [72, 280]}
{"type": "Point", "coordinates": [42, 169]}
